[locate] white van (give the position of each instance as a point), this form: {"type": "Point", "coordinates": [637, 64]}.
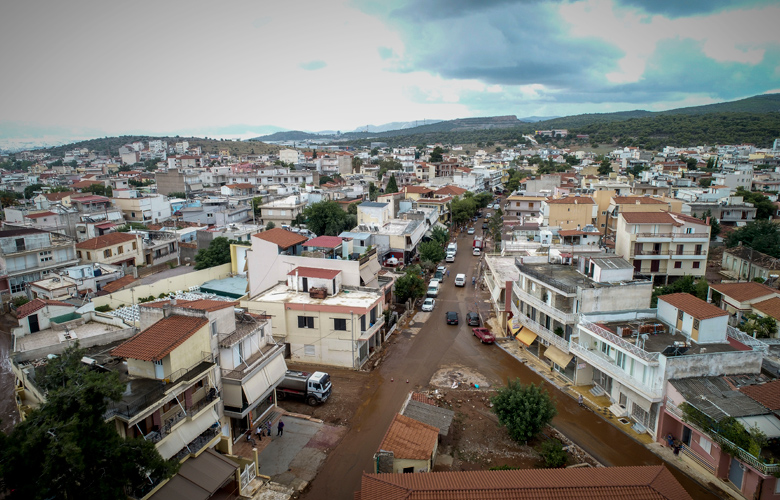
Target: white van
{"type": "Point", "coordinates": [433, 288]}
{"type": "Point", "coordinates": [460, 280]}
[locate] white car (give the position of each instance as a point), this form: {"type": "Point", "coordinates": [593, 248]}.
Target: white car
{"type": "Point", "coordinates": [450, 257]}
{"type": "Point", "coordinates": [428, 304]}
{"type": "Point", "coordinates": [471, 230]}
{"type": "Point", "coordinates": [442, 269]}
{"type": "Point", "coordinates": [477, 251]}
{"type": "Point", "coordinates": [460, 280]}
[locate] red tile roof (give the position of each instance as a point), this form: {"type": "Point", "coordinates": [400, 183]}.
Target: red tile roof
{"type": "Point", "coordinates": [637, 200]}
{"type": "Point", "coordinates": [157, 341]}
{"type": "Point", "coordinates": [107, 240]}
{"type": "Point", "coordinates": [423, 398]}
{"type": "Point", "coordinates": [653, 482]}
{"type": "Point", "coordinates": [747, 290]}
{"type": "Point", "coordinates": [689, 218]}
{"type": "Point", "coordinates": [692, 305]}
{"type": "Point", "coordinates": [27, 309]}
{"type": "Point", "coordinates": [649, 218]}
{"type": "Point", "coordinates": [84, 184]}
{"type": "Point", "coordinates": [767, 394]}
{"type": "Point", "coordinates": [450, 190]}
{"type": "Point", "coordinates": [324, 242]}
{"type": "Point", "coordinates": [410, 439]}
{"type": "Point", "coordinates": [119, 284]}
{"type": "Point", "coordinates": [315, 272]}
{"type": "Point", "coordinates": [57, 196]}
{"type": "Point", "coordinates": [571, 200]}
{"type": "Point", "coordinates": [40, 214]}
{"type": "Point", "coordinates": [281, 237]}
{"type": "Point", "coordinates": [770, 307]}
{"type": "Point", "coordinates": [416, 189]}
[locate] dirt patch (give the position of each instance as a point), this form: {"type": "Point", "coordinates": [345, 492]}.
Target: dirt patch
{"type": "Point", "coordinates": [348, 388]}
{"type": "Point", "coordinates": [458, 376]}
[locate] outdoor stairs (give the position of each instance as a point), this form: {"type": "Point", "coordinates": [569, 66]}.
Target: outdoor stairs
{"type": "Point", "coordinates": [597, 391]}
{"type": "Point", "coordinates": [618, 410]}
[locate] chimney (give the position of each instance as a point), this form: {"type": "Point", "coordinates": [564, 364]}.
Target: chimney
{"type": "Point", "coordinates": [173, 301]}
{"type": "Point", "coordinates": [707, 221]}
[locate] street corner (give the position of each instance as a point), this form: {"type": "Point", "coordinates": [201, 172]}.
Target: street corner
{"type": "Point", "coordinates": [456, 376]}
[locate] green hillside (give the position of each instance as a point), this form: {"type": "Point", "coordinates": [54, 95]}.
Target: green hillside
{"type": "Point", "coordinates": [111, 145]}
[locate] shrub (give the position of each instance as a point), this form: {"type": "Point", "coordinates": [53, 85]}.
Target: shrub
{"type": "Point", "coordinates": [553, 453]}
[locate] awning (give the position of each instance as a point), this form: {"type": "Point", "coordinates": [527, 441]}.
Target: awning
{"type": "Point", "coordinates": [526, 336]}
{"type": "Point", "coordinates": [255, 387]}
{"type": "Point", "coordinates": [184, 434]}
{"type": "Point", "coordinates": [768, 424]}
{"type": "Point", "coordinates": [515, 326]}
{"type": "Point", "coordinates": [366, 275]}
{"type": "Point", "coordinates": [557, 356]}
{"type": "Point", "coordinates": [199, 478]}
{"type": "Point", "coordinates": [105, 225]}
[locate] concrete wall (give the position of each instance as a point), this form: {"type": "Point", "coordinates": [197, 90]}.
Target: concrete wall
{"type": "Point", "coordinates": [419, 465]}
{"type": "Point", "coordinates": [191, 350]}
{"type": "Point", "coordinates": [711, 364]}
{"type": "Point", "coordinates": [104, 339]}
{"type": "Point", "coordinates": [616, 298]}
{"type": "Point", "coordinates": [167, 285]}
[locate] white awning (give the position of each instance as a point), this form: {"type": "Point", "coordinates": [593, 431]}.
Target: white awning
{"type": "Point", "coordinates": [768, 424]}
{"type": "Point", "coordinates": [259, 384]}
{"type": "Point", "coordinates": [557, 356]}
{"type": "Point", "coordinates": [185, 433]}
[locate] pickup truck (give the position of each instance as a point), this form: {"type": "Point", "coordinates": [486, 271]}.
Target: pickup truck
{"type": "Point", "coordinates": [484, 335]}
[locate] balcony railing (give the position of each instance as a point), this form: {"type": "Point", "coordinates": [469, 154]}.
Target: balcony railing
{"type": "Point", "coordinates": [255, 360]}
{"type": "Point", "coordinates": [702, 253]}
{"type": "Point", "coordinates": [373, 328]}
{"type": "Point", "coordinates": [672, 235]}
{"type": "Point", "coordinates": [744, 338]}
{"type": "Point", "coordinates": [650, 357]}
{"type": "Point", "coordinates": [549, 310]}
{"type": "Point", "coordinates": [544, 333]}
{"type": "Point", "coordinates": [609, 367]}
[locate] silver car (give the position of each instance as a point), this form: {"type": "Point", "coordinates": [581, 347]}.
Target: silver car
{"type": "Point", "coordinates": [429, 304]}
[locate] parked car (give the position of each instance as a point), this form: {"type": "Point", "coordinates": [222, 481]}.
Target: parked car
{"type": "Point", "coordinates": [472, 319]}
{"type": "Point", "coordinates": [428, 304]}
{"type": "Point", "coordinates": [476, 251]}
{"type": "Point", "coordinates": [452, 318]}
{"type": "Point", "coordinates": [471, 230]}
{"type": "Point", "coordinates": [441, 269]}
{"type": "Point", "coordinates": [439, 276]}
{"type": "Point", "coordinates": [450, 257]}
{"type": "Point", "coordinates": [460, 280]}
{"type": "Point", "coordinates": [484, 225]}
{"type": "Point", "coordinates": [484, 335]}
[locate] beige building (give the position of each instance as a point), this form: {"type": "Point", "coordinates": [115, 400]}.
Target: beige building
{"type": "Point", "coordinates": [282, 211]}
{"type": "Point", "coordinates": [409, 446]}
{"type": "Point", "coordinates": [569, 212]}
{"type": "Point", "coordinates": [524, 206]}
{"type": "Point", "coordinates": [112, 248]}
{"type": "Point", "coordinates": [663, 245]}
{"type": "Point", "coordinates": [620, 204]}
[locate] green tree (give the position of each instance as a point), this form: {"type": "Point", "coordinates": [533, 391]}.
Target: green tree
{"type": "Point", "coordinates": [392, 185]}
{"type": "Point", "coordinates": [765, 209]}
{"type": "Point", "coordinates": [523, 409]}
{"type": "Point", "coordinates": [217, 253]}
{"type": "Point", "coordinates": [553, 454]}
{"type": "Point", "coordinates": [8, 198]}
{"type": "Point", "coordinates": [177, 194]}
{"type": "Point", "coordinates": [483, 199]}
{"type": "Point", "coordinates": [760, 235]}
{"type": "Point", "coordinates": [325, 178]}
{"type": "Point", "coordinates": [432, 251]}
{"type": "Point", "coordinates": [496, 227]}
{"type": "Point", "coordinates": [410, 285]}
{"type": "Point", "coordinates": [352, 209]}
{"type": "Point", "coordinates": [374, 151]}
{"type": "Point", "coordinates": [373, 192]}
{"type": "Point", "coordinates": [65, 448]}
{"type": "Point", "coordinates": [758, 326]}
{"type": "Point", "coordinates": [440, 235]}
{"type": "Point", "coordinates": [605, 167]}
{"type": "Point", "coordinates": [29, 191]}
{"type": "Point", "coordinates": [100, 190]}
{"type": "Point", "coordinates": [356, 163]}
{"type": "Point", "coordinates": [705, 182]}
{"type": "Point", "coordinates": [270, 225]}
{"type": "Point", "coordinates": [436, 155]}
{"type": "Point", "coordinates": [327, 218]}
{"type": "Point", "coordinates": [686, 284]}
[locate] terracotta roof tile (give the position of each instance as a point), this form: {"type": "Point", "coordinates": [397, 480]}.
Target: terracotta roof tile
{"type": "Point", "coordinates": [119, 284]}
{"type": "Point", "coordinates": [39, 214]}
{"type": "Point", "coordinates": [423, 398]}
{"type": "Point", "coordinates": [315, 272]}
{"type": "Point", "coordinates": [281, 237]}
{"type": "Point", "coordinates": [417, 189]}
{"type": "Point", "coordinates": [648, 218]}
{"type": "Point", "coordinates": [107, 240]}
{"type": "Point", "coordinates": [692, 305]}
{"type": "Point", "coordinates": [36, 305]}
{"type": "Point", "coordinates": [767, 394]}
{"type": "Point", "coordinates": [637, 200]}
{"type": "Point", "coordinates": [770, 307]}
{"type": "Point", "coordinates": [688, 218]}
{"type": "Point", "coordinates": [747, 290]}
{"type": "Point", "coordinates": [57, 196]}
{"type": "Point", "coordinates": [324, 242]}
{"type": "Point", "coordinates": [409, 438]}
{"type": "Point", "coordinates": [450, 190]}
{"type": "Point", "coordinates": [161, 338]}
{"type": "Point", "coordinates": [653, 482]}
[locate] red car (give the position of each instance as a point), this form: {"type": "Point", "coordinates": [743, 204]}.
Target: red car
{"type": "Point", "coordinates": [484, 335]}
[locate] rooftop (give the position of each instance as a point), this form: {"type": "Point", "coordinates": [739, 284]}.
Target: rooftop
{"type": "Point", "coordinates": [281, 293]}
{"type": "Point", "coordinates": [638, 200]}
{"type": "Point", "coordinates": [373, 204]}
{"type": "Point", "coordinates": [430, 414]}
{"type": "Point", "coordinates": [281, 237]}
{"type": "Point", "coordinates": [693, 305]}
{"type": "Point", "coordinates": [36, 305]}
{"type": "Point", "coordinates": [504, 268]}
{"type": "Point", "coordinates": [314, 272]}
{"type": "Point", "coordinates": [660, 337]}
{"type": "Point", "coordinates": [766, 394]}
{"type": "Point", "coordinates": [50, 337]}
{"type": "Point", "coordinates": [157, 341]}
{"type": "Point", "coordinates": [747, 290]}
{"type": "Point", "coordinates": [563, 277]}
{"type": "Point", "coordinates": [571, 200]}
{"type": "Point", "coordinates": [760, 259]}
{"type": "Point", "coordinates": [770, 307]}
{"type": "Point", "coordinates": [410, 439]}
{"type": "Point", "coordinates": [107, 240]}
{"type": "Point", "coordinates": [324, 242]}
{"type": "Point", "coordinates": [119, 284]}
{"type": "Point", "coordinates": [717, 398]}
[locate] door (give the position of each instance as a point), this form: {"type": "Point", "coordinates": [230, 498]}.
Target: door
{"type": "Point", "coordinates": [637, 266]}
{"type": "Point", "coordinates": [679, 249]}
{"type": "Point", "coordinates": [698, 249]}
{"type": "Point", "coordinates": [655, 265]}
{"type": "Point", "coordinates": [656, 249]}
{"type": "Point", "coordinates": [735, 473]}
{"type": "Point", "coordinates": [33, 320]}
{"type": "Point", "coordinates": [686, 436]}
{"type": "Point", "coordinates": [158, 369]}
{"type": "Point", "coordinates": [305, 284]}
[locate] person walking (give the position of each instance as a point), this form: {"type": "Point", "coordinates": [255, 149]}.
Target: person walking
{"type": "Point", "coordinates": [280, 428]}
{"type": "Point", "coordinates": [580, 400]}
{"type": "Point", "coordinates": [268, 427]}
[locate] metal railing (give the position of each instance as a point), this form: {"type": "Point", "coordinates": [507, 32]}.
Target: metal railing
{"type": "Point", "coordinates": [672, 235]}
{"type": "Point", "coordinates": [744, 338]}
{"type": "Point", "coordinates": [610, 368]}
{"type": "Point", "coordinates": [544, 333]}
{"type": "Point", "coordinates": [562, 317]}
{"type": "Point", "coordinates": [650, 357]}
{"type": "Point", "coordinates": [702, 253]}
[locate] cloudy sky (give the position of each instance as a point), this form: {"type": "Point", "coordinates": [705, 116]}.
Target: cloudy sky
{"type": "Point", "coordinates": [92, 68]}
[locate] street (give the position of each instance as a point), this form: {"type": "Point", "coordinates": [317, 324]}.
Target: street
{"type": "Point", "coordinates": [439, 345]}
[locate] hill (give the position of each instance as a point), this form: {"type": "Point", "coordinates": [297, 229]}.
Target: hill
{"type": "Point", "coordinates": [111, 145]}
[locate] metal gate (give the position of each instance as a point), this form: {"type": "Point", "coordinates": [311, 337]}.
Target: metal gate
{"type": "Point", "coordinates": [736, 473]}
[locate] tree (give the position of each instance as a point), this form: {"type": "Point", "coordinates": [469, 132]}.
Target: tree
{"type": "Point", "coordinates": [432, 251]}
{"type": "Point", "coordinates": [375, 152]}
{"type": "Point", "coordinates": [760, 235]}
{"type": "Point", "coordinates": [523, 409]}
{"type": "Point", "coordinates": [217, 253]}
{"type": "Point", "coordinates": [436, 155]}
{"type": "Point", "coordinates": [765, 209]}
{"type": "Point", "coordinates": [553, 454]}
{"type": "Point", "coordinates": [758, 326]}
{"type": "Point", "coordinates": [65, 448]}
{"type": "Point", "coordinates": [100, 190]}
{"type": "Point", "coordinates": [440, 235]}
{"type": "Point", "coordinates": [686, 284]}
{"type": "Point", "coordinates": [605, 167]}
{"type": "Point", "coordinates": [327, 218]}
{"type": "Point", "coordinates": [30, 190]}
{"type": "Point", "coordinates": [325, 178]}
{"type": "Point", "coordinates": [483, 199]}
{"type": "Point", "coordinates": [270, 225]}
{"type": "Point", "coordinates": [352, 209]}
{"type": "Point", "coordinates": [356, 163]}
{"type": "Point", "coordinates": [496, 227]}
{"type": "Point", "coordinates": [410, 285]}
{"type": "Point", "coordinates": [392, 185]}
{"type": "Point", "coordinates": [373, 192]}
{"type": "Point", "coordinates": [8, 198]}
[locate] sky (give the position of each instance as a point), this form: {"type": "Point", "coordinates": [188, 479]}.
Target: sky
{"type": "Point", "coordinates": [91, 68]}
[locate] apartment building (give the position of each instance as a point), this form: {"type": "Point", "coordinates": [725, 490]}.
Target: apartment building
{"type": "Point", "coordinates": [744, 263]}
{"type": "Point", "coordinates": [547, 299]}
{"type": "Point", "coordinates": [283, 210]}
{"type": "Point", "coordinates": [113, 248]}
{"type": "Point", "coordinates": [178, 178]}
{"type": "Point", "coordinates": [621, 204]}
{"type": "Point", "coordinates": [663, 245]}
{"type": "Point", "coordinates": [27, 255]}
{"type": "Point", "coordinates": [569, 212]}
{"type": "Point", "coordinates": [142, 208]}
{"type": "Point", "coordinates": [521, 206]}
{"type": "Point", "coordinates": [732, 211]}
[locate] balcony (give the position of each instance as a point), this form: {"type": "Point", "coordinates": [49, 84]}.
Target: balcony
{"type": "Point", "coordinates": [608, 366]}
{"type": "Point", "coordinates": [367, 334]}
{"type": "Point", "coordinates": [544, 333]}
{"type": "Point", "coordinates": [597, 331]}
{"type": "Point", "coordinates": [671, 236]}
{"type": "Point", "coordinates": [562, 317]}
{"type": "Point", "coordinates": [244, 370]}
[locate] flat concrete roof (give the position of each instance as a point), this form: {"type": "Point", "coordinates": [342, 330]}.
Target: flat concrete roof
{"type": "Point", "coordinates": [503, 268]}
{"type": "Point", "coordinates": [281, 293]}
{"type": "Point", "coordinates": [663, 338]}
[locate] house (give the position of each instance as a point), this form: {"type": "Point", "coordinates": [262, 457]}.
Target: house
{"type": "Point", "coordinates": [738, 298]}
{"type": "Point", "coordinates": [524, 206]}
{"type": "Point", "coordinates": [240, 189]}
{"type": "Point", "coordinates": [618, 483]}
{"type": "Point", "coordinates": [27, 255]}
{"type": "Point", "coordinates": [663, 245]}
{"type": "Point", "coordinates": [620, 204]}
{"type": "Point", "coordinates": [768, 308]}
{"type": "Point", "coordinates": [374, 213]}
{"type": "Point", "coordinates": [112, 248]}
{"type": "Point", "coordinates": [744, 263]}
{"type": "Point", "coordinates": [287, 242]}
{"type": "Point", "coordinates": [39, 314]}
{"type": "Point", "coordinates": [283, 210]}
{"type": "Point", "coordinates": [142, 208]}
{"type": "Point", "coordinates": [416, 192]}
{"type": "Point", "coordinates": [423, 409]}
{"type": "Point", "coordinates": [409, 446]}
{"type": "Point", "coordinates": [569, 212]}
{"type": "Point", "coordinates": [327, 247]}
{"type": "Point", "coordinates": [322, 314]}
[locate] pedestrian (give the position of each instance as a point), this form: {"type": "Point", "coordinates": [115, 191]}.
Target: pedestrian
{"type": "Point", "coordinates": [268, 427]}
{"type": "Point", "coordinates": [249, 438]}
{"type": "Point", "coordinates": [259, 432]}
{"type": "Point", "coordinates": [580, 400]}
{"type": "Point", "coordinates": [280, 428]}
{"type": "Point", "coordinates": [448, 273]}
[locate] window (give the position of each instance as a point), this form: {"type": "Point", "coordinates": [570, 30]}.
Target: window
{"type": "Point", "coordinates": [305, 321]}
{"type": "Point", "coordinates": [688, 230]}
{"type": "Point", "coordinates": [603, 225]}
{"type": "Point", "coordinates": [107, 252]}
{"type": "Point", "coordinates": [213, 328]}
{"type": "Point", "coordinates": [696, 324]}
{"type": "Point", "coordinates": [606, 348]}
{"type": "Point", "coordinates": [89, 255]}
{"type": "Point", "coordinates": [604, 212]}
{"type": "Point", "coordinates": [308, 350]}
{"type": "Point", "coordinates": [120, 249]}
{"type": "Point", "coordinates": [696, 265]}
{"type": "Point", "coordinates": [621, 360]}
{"type": "Point", "coordinates": [78, 254]}
{"type": "Point", "coordinates": [132, 214]}
{"type": "Point", "coordinates": [678, 265]}
{"type": "Point", "coordinates": [135, 246]}
{"type": "Point", "coordinates": [339, 324]}
{"type": "Point", "coordinates": [680, 314]}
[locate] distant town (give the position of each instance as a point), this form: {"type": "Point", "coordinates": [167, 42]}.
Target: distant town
{"type": "Point", "coordinates": [335, 321]}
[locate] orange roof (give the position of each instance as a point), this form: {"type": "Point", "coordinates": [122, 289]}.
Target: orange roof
{"type": "Point", "coordinates": [84, 184]}
{"type": "Point", "coordinates": [107, 240]}
{"type": "Point", "coordinates": [416, 189]}
{"type": "Point", "coordinates": [39, 214]}
{"type": "Point", "coordinates": [27, 309]}
{"type": "Point", "coordinates": [652, 482]}
{"type": "Point", "coordinates": [770, 307]}
{"type": "Point", "coordinates": [767, 394]}
{"type": "Point", "coordinates": [157, 341]}
{"type": "Point", "coordinates": [637, 200]}
{"type": "Point", "coordinates": [688, 218]}
{"type": "Point", "coordinates": [119, 284]}
{"type": "Point", "coordinates": [741, 292]}
{"type": "Point", "coordinates": [410, 439]}
{"type": "Point", "coordinates": [281, 237]}
{"type": "Point", "coordinates": [649, 218]}
{"type": "Point", "coordinates": [57, 196]}
{"type": "Point", "coordinates": [450, 190]}
{"type": "Point", "coordinates": [692, 305]}
{"type": "Point", "coordinates": [571, 200]}
{"type": "Point", "coordinates": [314, 272]}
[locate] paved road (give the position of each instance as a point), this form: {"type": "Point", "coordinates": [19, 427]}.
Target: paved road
{"type": "Point", "coordinates": [437, 345]}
